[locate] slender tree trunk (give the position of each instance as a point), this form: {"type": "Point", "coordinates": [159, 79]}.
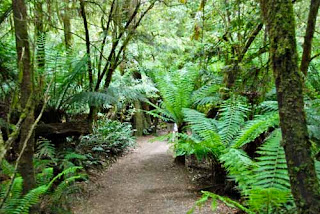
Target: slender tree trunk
{"type": "Point", "coordinates": [307, 45]}
{"type": "Point", "coordinates": [279, 19]}
{"type": "Point", "coordinates": [93, 110]}
{"type": "Point", "coordinates": [24, 64]}
{"type": "Point", "coordinates": [67, 26]}
{"type": "Point", "coordinates": [85, 24]}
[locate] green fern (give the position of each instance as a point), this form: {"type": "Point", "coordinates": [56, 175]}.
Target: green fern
{"type": "Point", "coordinates": [239, 167]}
{"type": "Point", "coordinates": [232, 118]}
{"type": "Point", "coordinates": [62, 188]}
{"type": "Point", "coordinates": [269, 200]}
{"type": "Point", "coordinates": [254, 128]}
{"type": "Point", "coordinates": [272, 167]}
{"type": "Point", "coordinates": [45, 150]}
{"type": "Point", "coordinates": [207, 94]}
{"type": "Point", "coordinates": [45, 176]}
{"type": "Point", "coordinates": [30, 199]}
{"type": "Point", "coordinates": [6, 168]}
{"type": "Point", "coordinates": [14, 196]}
{"type": "Point", "coordinates": [176, 89]}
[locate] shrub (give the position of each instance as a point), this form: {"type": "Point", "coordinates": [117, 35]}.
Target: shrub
{"type": "Point", "coordinates": [108, 138]}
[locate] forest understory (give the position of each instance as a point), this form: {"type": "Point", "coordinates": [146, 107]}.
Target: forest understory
{"type": "Point", "coordinates": [85, 83]}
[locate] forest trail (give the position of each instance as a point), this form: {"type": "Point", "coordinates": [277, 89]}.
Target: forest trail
{"type": "Point", "coordinates": [145, 181]}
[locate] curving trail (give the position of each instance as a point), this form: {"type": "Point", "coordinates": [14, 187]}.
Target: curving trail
{"type": "Point", "coordinates": [145, 181]}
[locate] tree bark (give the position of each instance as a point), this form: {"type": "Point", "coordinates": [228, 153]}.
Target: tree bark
{"type": "Point", "coordinates": [85, 24]}
{"type": "Point", "coordinates": [24, 64]}
{"type": "Point", "coordinates": [307, 45]}
{"type": "Point", "coordinates": [279, 19]}
{"type": "Point", "coordinates": [67, 26]}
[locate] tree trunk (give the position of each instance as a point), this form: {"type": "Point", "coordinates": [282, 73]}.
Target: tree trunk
{"type": "Point", "coordinates": [67, 26]}
{"type": "Point", "coordinates": [307, 45]}
{"type": "Point", "coordinates": [279, 19]}
{"type": "Point", "coordinates": [24, 64]}
{"type": "Point", "coordinates": [85, 24]}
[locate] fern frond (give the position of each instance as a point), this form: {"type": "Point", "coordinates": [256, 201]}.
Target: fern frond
{"type": "Point", "coordinates": [268, 106]}
{"type": "Point", "coordinates": [239, 166]}
{"type": "Point", "coordinates": [45, 176]}
{"type": "Point", "coordinates": [45, 149]}
{"type": "Point", "coordinates": [207, 94]}
{"type": "Point", "coordinates": [63, 186]}
{"type": "Point", "coordinates": [227, 201]}
{"type": "Point", "coordinates": [268, 200]}
{"type": "Point", "coordinates": [272, 167]}
{"type": "Point", "coordinates": [254, 128]}
{"type": "Point", "coordinates": [30, 199]}
{"type": "Point", "coordinates": [232, 116]}
{"type": "Point", "coordinates": [199, 122]}
{"type": "Point", "coordinates": [176, 90]}
{"type": "Point", "coordinates": [7, 168]}
{"type": "Point", "coordinates": [68, 171]}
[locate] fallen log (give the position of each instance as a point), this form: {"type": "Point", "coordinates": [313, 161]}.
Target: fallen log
{"type": "Point", "coordinates": [62, 130]}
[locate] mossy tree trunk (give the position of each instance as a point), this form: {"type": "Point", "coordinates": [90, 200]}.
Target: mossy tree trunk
{"type": "Point", "coordinates": [24, 64]}
{"type": "Point", "coordinates": [279, 19]}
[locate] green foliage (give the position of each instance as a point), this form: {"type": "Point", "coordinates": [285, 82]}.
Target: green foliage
{"type": "Point", "coordinates": [17, 203]}
{"type": "Point", "coordinates": [176, 89]}
{"type": "Point", "coordinates": [263, 182]}
{"type": "Point", "coordinates": [272, 167]}
{"type": "Point", "coordinates": [254, 128]}
{"type": "Point", "coordinates": [108, 137]}
{"type": "Point", "coordinates": [232, 117]}
{"type": "Point", "coordinates": [229, 202]}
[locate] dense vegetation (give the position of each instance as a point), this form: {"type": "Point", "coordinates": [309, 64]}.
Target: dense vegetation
{"type": "Point", "coordinates": [240, 79]}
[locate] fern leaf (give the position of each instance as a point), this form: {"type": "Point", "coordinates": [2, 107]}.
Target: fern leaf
{"type": "Point", "coordinates": [239, 166]}
{"type": "Point", "coordinates": [232, 118]}
{"type": "Point", "coordinates": [30, 199]}
{"type": "Point", "coordinates": [255, 128]}
{"type": "Point", "coordinates": [272, 168]}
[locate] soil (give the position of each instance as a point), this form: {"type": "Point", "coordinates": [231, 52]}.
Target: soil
{"type": "Point", "coordinates": [146, 181]}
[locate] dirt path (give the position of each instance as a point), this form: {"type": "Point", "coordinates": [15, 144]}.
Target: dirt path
{"type": "Point", "coordinates": [144, 181]}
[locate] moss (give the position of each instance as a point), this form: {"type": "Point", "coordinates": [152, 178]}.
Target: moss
{"type": "Point", "coordinates": [280, 23]}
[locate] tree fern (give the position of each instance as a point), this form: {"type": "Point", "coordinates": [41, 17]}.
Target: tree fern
{"type": "Point", "coordinates": [254, 128]}
{"type": "Point", "coordinates": [269, 200]}
{"type": "Point", "coordinates": [272, 167]}
{"type": "Point", "coordinates": [232, 117]}
{"type": "Point", "coordinates": [239, 166]}
{"type": "Point", "coordinates": [176, 89]}
{"type": "Point", "coordinates": [207, 94]}
{"type": "Point", "coordinates": [199, 123]}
